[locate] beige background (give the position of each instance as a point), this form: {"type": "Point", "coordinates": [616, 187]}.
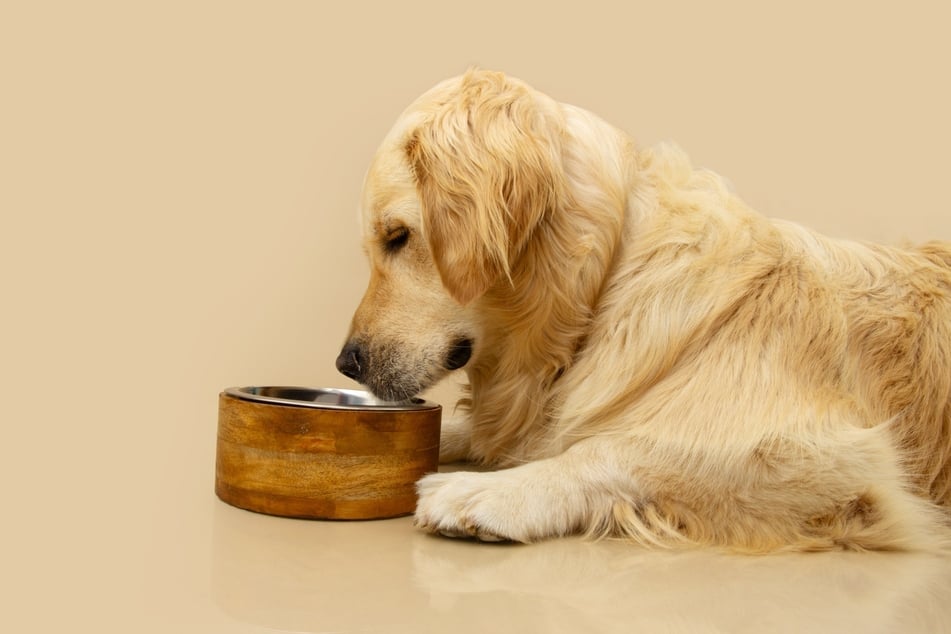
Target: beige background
{"type": "Point", "coordinates": [178, 190]}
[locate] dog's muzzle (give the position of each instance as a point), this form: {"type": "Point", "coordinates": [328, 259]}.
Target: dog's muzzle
{"type": "Point", "coordinates": [389, 378]}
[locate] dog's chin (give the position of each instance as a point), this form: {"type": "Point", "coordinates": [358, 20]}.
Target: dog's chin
{"type": "Point", "coordinates": [393, 393]}
{"type": "Point", "coordinates": [397, 389]}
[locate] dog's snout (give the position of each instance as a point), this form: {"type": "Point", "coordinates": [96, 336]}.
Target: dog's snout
{"type": "Point", "coordinates": [351, 362]}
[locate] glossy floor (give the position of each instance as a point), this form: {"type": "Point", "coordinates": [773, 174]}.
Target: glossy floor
{"type": "Point", "coordinates": [184, 562]}
{"type": "Point", "coordinates": [385, 577]}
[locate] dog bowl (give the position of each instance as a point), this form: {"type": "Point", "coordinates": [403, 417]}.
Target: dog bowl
{"type": "Point", "coordinates": [323, 453]}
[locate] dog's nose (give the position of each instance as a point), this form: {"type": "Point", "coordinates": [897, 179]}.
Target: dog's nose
{"type": "Point", "coordinates": [350, 363]}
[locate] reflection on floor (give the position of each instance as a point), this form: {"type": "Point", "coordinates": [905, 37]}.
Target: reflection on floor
{"type": "Point", "coordinates": [384, 576]}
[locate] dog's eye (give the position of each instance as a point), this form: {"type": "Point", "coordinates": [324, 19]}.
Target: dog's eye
{"type": "Point", "coordinates": [397, 240]}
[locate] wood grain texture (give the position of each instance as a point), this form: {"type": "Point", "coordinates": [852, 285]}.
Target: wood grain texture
{"type": "Point", "coordinates": [323, 463]}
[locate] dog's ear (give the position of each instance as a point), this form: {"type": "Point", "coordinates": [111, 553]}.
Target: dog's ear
{"type": "Point", "coordinates": [487, 164]}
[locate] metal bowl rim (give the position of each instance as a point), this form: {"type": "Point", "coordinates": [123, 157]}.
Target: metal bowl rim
{"type": "Point", "coordinates": [247, 393]}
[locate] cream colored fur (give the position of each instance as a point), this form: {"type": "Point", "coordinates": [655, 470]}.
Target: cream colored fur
{"type": "Point", "coordinates": [652, 359]}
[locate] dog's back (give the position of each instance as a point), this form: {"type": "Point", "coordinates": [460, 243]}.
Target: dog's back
{"type": "Point", "coordinates": [766, 347]}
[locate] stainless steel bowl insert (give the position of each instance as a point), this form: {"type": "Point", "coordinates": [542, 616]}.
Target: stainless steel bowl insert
{"type": "Point", "coordinates": [324, 398]}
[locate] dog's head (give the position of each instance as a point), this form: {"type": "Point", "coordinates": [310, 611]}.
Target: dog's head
{"type": "Point", "coordinates": [450, 203]}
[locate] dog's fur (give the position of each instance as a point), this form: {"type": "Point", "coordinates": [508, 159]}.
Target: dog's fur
{"type": "Point", "coordinates": [650, 358]}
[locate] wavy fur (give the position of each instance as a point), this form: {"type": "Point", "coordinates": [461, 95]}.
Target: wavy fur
{"type": "Point", "coordinates": [652, 359]}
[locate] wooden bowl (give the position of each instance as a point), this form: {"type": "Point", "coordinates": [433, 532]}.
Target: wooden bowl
{"type": "Point", "coordinates": [323, 453]}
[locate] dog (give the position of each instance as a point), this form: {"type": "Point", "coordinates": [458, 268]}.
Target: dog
{"type": "Point", "coordinates": [647, 357]}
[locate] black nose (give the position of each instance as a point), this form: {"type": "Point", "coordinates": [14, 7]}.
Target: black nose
{"type": "Point", "coordinates": [459, 353]}
{"type": "Point", "coordinates": [350, 363]}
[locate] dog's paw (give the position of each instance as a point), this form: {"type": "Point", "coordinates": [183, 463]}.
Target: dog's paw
{"type": "Point", "coordinates": [465, 504]}
{"type": "Point", "coordinates": [491, 507]}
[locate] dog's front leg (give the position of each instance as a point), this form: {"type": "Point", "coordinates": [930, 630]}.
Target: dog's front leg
{"type": "Point", "coordinates": [455, 439]}
{"type": "Point", "coordinates": [548, 498]}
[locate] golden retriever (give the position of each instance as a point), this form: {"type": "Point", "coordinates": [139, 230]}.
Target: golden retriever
{"type": "Point", "coordinates": [647, 357]}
